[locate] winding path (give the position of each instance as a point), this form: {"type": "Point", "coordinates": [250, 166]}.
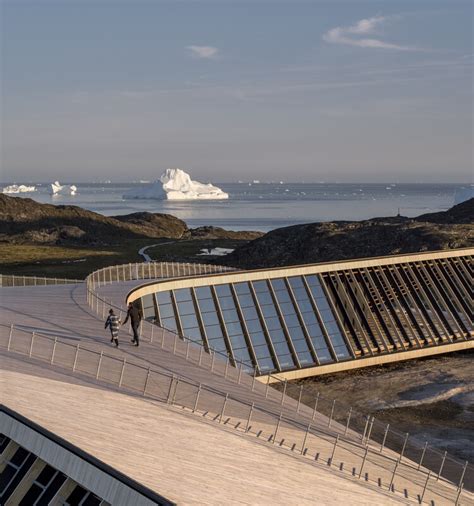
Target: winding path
{"type": "Point", "coordinates": [147, 257]}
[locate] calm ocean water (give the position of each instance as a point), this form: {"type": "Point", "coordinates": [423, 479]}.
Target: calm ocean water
{"type": "Point", "coordinates": [265, 206]}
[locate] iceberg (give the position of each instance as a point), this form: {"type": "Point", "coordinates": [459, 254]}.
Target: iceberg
{"type": "Point", "coordinates": [14, 188]}
{"type": "Point", "coordinates": [58, 189]}
{"type": "Point", "coordinates": [176, 184]}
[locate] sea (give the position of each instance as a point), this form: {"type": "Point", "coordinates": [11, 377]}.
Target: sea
{"type": "Point", "coordinates": [266, 206]}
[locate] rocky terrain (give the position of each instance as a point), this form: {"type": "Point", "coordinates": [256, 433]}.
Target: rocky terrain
{"type": "Point", "coordinates": [339, 240]}
{"type": "Point", "coordinates": [24, 221]}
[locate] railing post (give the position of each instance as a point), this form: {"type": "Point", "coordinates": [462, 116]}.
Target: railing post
{"type": "Point", "coordinates": [187, 349]}
{"type": "Point", "coordinates": [121, 372]}
{"type": "Point", "coordinates": [223, 407]}
{"type": "Point", "coordinates": [31, 345]}
{"type": "Point", "coordinates": [175, 343]}
{"type": "Point", "coordinates": [75, 358]}
{"type": "Point", "coordinates": [170, 389]}
{"type": "Point", "coordinates": [441, 466]}
{"type": "Point", "coordinates": [363, 461]}
{"type": "Point", "coordinates": [370, 430]}
{"type": "Point", "coordinates": [333, 451]}
{"type": "Point", "coordinates": [98, 365]}
{"type": "Point", "coordinates": [240, 372]}
{"type": "Point", "coordinates": [212, 361]}
{"type": "Point", "coordinates": [253, 380]}
{"type": "Point", "coordinates": [365, 428]}
{"type": "Point", "coordinates": [332, 412]}
{"type": "Point", "coordinates": [303, 446]}
{"type": "Point", "coordinates": [283, 393]}
{"type": "Point", "coordinates": [462, 475]}
{"type": "Point", "coordinates": [458, 495]}
{"type": "Point", "coordinates": [200, 356]}
{"type": "Point", "coordinates": [349, 413]}
{"type": "Point", "coordinates": [54, 349]}
{"type": "Point", "coordinates": [404, 445]}
{"type": "Point", "coordinates": [151, 336]}
{"type": "Point", "coordinates": [162, 337]}
{"type": "Point", "coordinates": [267, 386]}
{"type": "Point", "coordinates": [175, 391]}
{"type": "Point", "coordinates": [249, 418]}
{"type": "Point", "coordinates": [10, 337]}
{"type": "Point", "coordinates": [226, 367]}
{"type": "Point", "coordinates": [197, 398]}
{"type": "Point", "coordinates": [393, 477]}
{"type": "Point", "coordinates": [424, 488]}
{"type": "Point", "coordinates": [384, 437]}
{"type": "Point", "coordinates": [315, 406]}
{"type": "Point", "coordinates": [422, 454]}
{"type": "Point", "coordinates": [299, 399]}
{"type": "Point", "coordinates": [146, 380]}
{"type": "Point", "coordinates": [276, 428]}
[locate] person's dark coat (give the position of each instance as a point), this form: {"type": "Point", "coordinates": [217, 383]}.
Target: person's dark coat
{"type": "Point", "coordinates": [135, 314]}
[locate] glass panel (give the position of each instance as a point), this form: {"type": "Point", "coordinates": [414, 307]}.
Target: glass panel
{"type": "Point", "coordinates": [312, 280]}
{"type": "Point", "coordinates": [186, 308]}
{"type": "Point", "coordinates": [206, 305]}
{"type": "Point", "coordinates": [300, 346]}
{"type": "Point", "coordinates": [210, 319]}
{"type": "Point", "coordinates": [254, 326]}
{"type": "Point", "coordinates": [19, 456]}
{"type": "Point", "coordinates": [264, 298]}
{"type": "Point", "coordinates": [203, 292]}
{"type": "Point", "coordinates": [238, 341]}
{"type": "Point", "coordinates": [166, 311]}
{"type": "Point", "coordinates": [50, 492]}
{"type": "Point", "coordinates": [292, 320]}
{"type": "Point", "coordinates": [226, 303]}
{"type": "Point", "coordinates": [250, 313]}
{"type": "Point", "coordinates": [258, 338]}
{"type": "Point", "coordinates": [273, 323]}
{"type": "Point", "coordinates": [260, 286]}
{"type": "Point", "coordinates": [277, 336]}
{"type": "Point", "coordinates": [323, 305]}
{"type": "Point", "coordinates": [45, 476]}
{"type": "Point", "coordinates": [149, 313]}
{"type": "Point", "coordinates": [234, 328]}
{"type": "Point", "coordinates": [319, 342]}
{"type": "Point", "coordinates": [241, 288]}
{"type": "Point", "coordinates": [147, 301]}
{"type": "Point", "coordinates": [30, 497]}
{"type": "Point", "coordinates": [286, 362]}
{"type": "Point", "coordinates": [183, 294]}
{"type": "Point", "coordinates": [242, 355]}
{"type": "Point", "coordinates": [261, 352]}
{"type": "Point", "coordinates": [163, 297]}
{"type": "Point", "coordinates": [324, 355]}
{"type": "Point", "coordinates": [314, 330]}
{"type": "Point", "coordinates": [305, 358]}
{"type": "Point", "coordinates": [310, 319]}
{"type": "Point", "coordinates": [246, 301]}
{"type": "Point", "coordinates": [300, 293]}
{"type": "Point", "coordinates": [266, 364]}
{"type": "Point", "coordinates": [296, 282]}
{"type": "Point", "coordinates": [278, 284]}
{"type": "Point", "coordinates": [341, 352]}
{"type": "Point", "coordinates": [281, 348]}
{"type": "Point", "coordinates": [269, 311]}
{"type": "Point", "coordinates": [305, 306]}
{"type": "Point", "coordinates": [283, 296]}
{"type": "Point", "coordinates": [169, 323]}
{"type": "Point", "coordinates": [230, 315]}
{"type": "Point", "coordinates": [189, 321]}
{"type": "Point", "coordinates": [223, 290]}
{"type": "Point", "coordinates": [218, 345]}
{"type": "Point", "coordinates": [213, 331]}
{"type": "Point", "coordinates": [296, 333]}
{"type": "Point", "coordinates": [194, 333]}
{"type": "Point", "coordinates": [287, 308]}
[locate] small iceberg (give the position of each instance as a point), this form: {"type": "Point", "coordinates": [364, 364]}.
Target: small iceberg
{"type": "Point", "coordinates": [14, 188]}
{"type": "Point", "coordinates": [58, 189]}
{"type": "Point", "coordinates": [176, 184]}
{"type": "Point", "coordinates": [215, 251]}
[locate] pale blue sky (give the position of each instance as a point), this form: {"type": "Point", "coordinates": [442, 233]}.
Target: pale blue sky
{"type": "Point", "coordinates": [296, 90]}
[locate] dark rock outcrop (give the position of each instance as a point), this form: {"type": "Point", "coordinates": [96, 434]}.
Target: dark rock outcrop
{"type": "Point", "coordinates": [324, 242]}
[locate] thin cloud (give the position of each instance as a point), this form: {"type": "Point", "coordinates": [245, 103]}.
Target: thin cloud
{"type": "Point", "coordinates": [206, 52]}
{"type": "Point", "coordinates": [354, 35]}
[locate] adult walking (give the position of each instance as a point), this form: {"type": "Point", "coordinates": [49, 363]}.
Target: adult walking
{"type": "Point", "coordinates": [113, 322]}
{"type": "Point", "coordinates": [135, 314]}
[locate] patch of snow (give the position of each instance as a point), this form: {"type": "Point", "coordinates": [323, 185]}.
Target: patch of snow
{"type": "Point", "coordinates": [58, 189]}
{"type": "Point", "coordinates": [220, 252]}
{"type": "Point", "coordinates": [175, 184]}
{"type": "Point", "coordinates": [14, 188]}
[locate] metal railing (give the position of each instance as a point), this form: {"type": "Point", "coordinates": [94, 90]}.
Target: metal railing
{"type": "Point", "coordinates": [365, 462]}
{"type": "Point", "coordinates": [7, 280]}
{"type": "Point", "coordinates": [341, 417]}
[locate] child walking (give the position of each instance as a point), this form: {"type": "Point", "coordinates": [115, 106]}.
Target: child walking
{"type": "Point", "coordinates": [113, 322]}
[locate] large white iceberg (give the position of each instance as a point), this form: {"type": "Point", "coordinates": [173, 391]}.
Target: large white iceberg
{"type": "Point", "coordinates": [14, 188]}
{"type": "Point", "coordinates": [58, 189]}
{"type": "Point", "coordinates": [175, 184]}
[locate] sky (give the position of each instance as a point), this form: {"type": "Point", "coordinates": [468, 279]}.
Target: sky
{"type": "Point", "coordinates": [340, 91]}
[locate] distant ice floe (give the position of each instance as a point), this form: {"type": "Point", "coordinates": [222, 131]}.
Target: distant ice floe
{"type": "Point", "coordinates": [463, 194]}
{"type": "Point", "coordinates": [175, 184]}
{"type": "Point", "coordinates": [58, 189]}
{"type": "Point", "coordinates": [216, 251]}
{"type": "Point", "coordinates": [14, 188]}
